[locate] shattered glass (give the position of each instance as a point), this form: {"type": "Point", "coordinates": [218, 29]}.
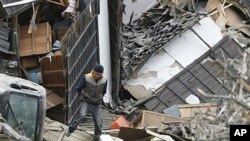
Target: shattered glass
{"type": "Point", "coordinates": [22, 105]}
{"type": "Point", "coordinates": [24, 115]}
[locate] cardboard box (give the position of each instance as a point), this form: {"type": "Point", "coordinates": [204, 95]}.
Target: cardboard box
{"type": "Point", "coordinates": [37, 42]}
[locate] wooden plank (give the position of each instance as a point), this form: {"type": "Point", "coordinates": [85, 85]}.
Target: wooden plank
{"type": "Point", "coordinates": [49, 37]}
{"type": "Point", "coordinates": [153, 119]}
{"type": "Point", "coordinates": [214, 68]}
{"type": "Point", "coordinates": [54, 128]}
{"type": "Point", "coordinates": [25, 73]}
{"type": "Point", "coordinates": [4, 137]}
{"type": "Point", "coordinates": [189, 110]}
{"type": "Point", "coordinates": [151, 104]}
{"type": "Point", "coordinates": [53, 74]}
{"type": "Point", "coordinates": [38, 42]}
{"type": "Point", "coordinates": [52, 99]}
{"type": "Point", "coordinates": [33, 18]}
{"type": "Point", "coordinates": [62, 134]}
{"type": "Point", "coordinates": [179, 90]}
{"type": "Point", "coordinates": [60, 2]}
{"type": "Point", "coordinates": [170, 97]}
{"type": "Point", "coordinates": [221, 21]}
{"type": "Point", "coordinates": [185, 77]}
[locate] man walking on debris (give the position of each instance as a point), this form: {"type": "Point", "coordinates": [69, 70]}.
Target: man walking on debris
{"type": "Point", "coordinates": [91, 89]}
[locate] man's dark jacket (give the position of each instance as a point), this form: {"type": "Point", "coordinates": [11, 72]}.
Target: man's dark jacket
{"type": "Point", "coordinates": [92, 90]}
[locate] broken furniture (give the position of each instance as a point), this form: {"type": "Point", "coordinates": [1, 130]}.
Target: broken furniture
{"type": "Point", "coordinates": [153, 119]}
{"type": "Point", "coordinates": [37, 42]}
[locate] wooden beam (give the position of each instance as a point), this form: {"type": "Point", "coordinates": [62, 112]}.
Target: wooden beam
{"type": "Point", "coordinates": [246, 87]}
{"type": "Point", "coordinates": [61, 2]}
{"type": "Point", "coordinates": [62, 134]}
{"type": "Point", "coordinates": [17, 3]}
{"type": "Point", "coordinates": [216, 11]}
{"type": "Point", "coordinates": [32, 21]}
{"type": "Point", "coordinates": [54, 128]}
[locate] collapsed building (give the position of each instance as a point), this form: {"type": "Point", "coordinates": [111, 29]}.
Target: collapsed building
{"type": "Point", "coordinates": [163, 43]}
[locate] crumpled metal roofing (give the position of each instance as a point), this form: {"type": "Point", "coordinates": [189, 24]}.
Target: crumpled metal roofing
{"type": "Point", "coordinates": [175, 56]}
{"type": "Point", "coordinates": [206, 73]}
{"type": "Point", "coordinates": [14, 10]}
{"type": "Point", "coordinates": [153, 29]}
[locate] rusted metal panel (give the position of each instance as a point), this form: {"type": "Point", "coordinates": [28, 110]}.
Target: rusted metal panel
{"type": "Point", "coordinates": [14, 10]}
{"type": "Point", "coordinates": [202, 74]}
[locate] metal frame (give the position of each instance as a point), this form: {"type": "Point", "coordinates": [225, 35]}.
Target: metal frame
{"type": "Point", "coordinates": [81, 52]}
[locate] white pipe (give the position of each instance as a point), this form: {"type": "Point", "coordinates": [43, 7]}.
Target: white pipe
{"type": "Point", "coordinates": [104, 44]}
{"type": "Point", "coordinates": [17, 3]}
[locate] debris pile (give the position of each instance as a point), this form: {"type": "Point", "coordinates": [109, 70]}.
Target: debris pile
{"type": "Point", "coordinates": [198, 100]}
{"type": "Point", "coordinates": [153, 29]}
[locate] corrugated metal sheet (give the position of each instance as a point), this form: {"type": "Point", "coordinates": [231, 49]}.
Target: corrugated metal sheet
{"type": "Point", "coordinates": [15, 9]}
{"type": "Point", "coordinates": [8, 50]}
{"type": "Point", "coordinates": [4, 39]}
{"type": "Point", "coordinates": [202, 74]}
